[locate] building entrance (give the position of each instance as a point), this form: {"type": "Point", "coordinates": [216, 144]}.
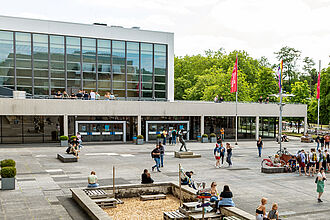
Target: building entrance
{"type": "Point", "coordinates": [102, 130]}
{"type": "Point", "coordinates": [157, 127]}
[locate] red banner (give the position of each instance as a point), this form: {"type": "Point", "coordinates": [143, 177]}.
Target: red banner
{"type": "Point", "coordinates": [318, 86]}
{"type": "Point", "coordinates": [233, 81]}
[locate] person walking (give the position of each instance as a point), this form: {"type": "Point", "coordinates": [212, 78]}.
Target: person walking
{"type": "Point", "coordinates": [260, 146]}
{"type": "Point", "coordinates": [320, 183]}
{"type": "Point", "coordinates": [301, 158]}
{"type": "Point", "coordinates": [217, 153]}
{"type": "Point", "coordinates": [162, 152]}
{"type": "Point", "coordinates": [312, 162]}
{"type": "Point", "coordinates": [181, 140]}
{"type": "Point", "coordinates": [222, 153]}
{"type": "Point", "coordinates": [155, 154]}
{"type": "Point", "coordinates": [229, 149]}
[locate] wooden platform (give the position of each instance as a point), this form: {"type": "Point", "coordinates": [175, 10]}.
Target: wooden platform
{"type": "Point", "coordinates": [106, 203]}
{"type": "Point", "coordinates": [207, 216]}
{"type": "Point", "coordinates": [97, 193]}
{"type": "Point", "coordinates": [231, 218]}
{"type": "Point", "coordinates": [306, 139]}
{"type": "Point", "coordinates": [67, 158]}
{"type": "Point", "coordinates": [175, 215]}
{"type": "Point", "coordinates": [152, 197]}
{"type": "Point", "coordinates": [186, 154]}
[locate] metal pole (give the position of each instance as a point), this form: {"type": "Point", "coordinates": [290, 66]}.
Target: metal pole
{"type": "Point", "coordinates": [280, 122]}
{"type": "Point", "coordinates": [180, 185]}
{"type": "Point", "coordinates": [318, 105]}
{"type": "Point", "coordinates": [113, 181]}
{"type": "Point", "coordinates": [236, 127]}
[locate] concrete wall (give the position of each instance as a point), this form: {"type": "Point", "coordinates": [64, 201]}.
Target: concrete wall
{"type": "Point", "coordinates": [144, 108]}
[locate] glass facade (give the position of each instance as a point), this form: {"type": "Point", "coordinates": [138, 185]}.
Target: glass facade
{"type": "Point", "coordinates": [43, 64]}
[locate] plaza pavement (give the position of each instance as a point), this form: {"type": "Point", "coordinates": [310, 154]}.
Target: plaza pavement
{"type": "Point", "coordinates": [43, 182]}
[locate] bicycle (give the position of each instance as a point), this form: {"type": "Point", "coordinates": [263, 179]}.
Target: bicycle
{"type": "Point", "coordinates": [283, 151]}
{"type": "Point", "coordinates": [268, 162]}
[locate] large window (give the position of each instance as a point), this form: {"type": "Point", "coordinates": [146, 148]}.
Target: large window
{"type": "Point", "coordinates": [23, 62]}
{"type": "Point", "coordinates": [6, 61]}
{"type": "Point", "coordinates": [133, 70]}
{"type": "Point", "coordinates": [146, 69]}
{"type": "Point", "coordinates": [40, 64]}
{"type": "Point", "coordinates": [104, 66]}
{"type": "Point", "coordinates": [160, 71]}
{"type": "Point", "coordinates": [73, 63]}
{"type": "Point", "coordinates": [57, 63]}
{"type": "Point", "coordinates": [118, 68]}
{"type": "Point", "coordinates": [89, 63]}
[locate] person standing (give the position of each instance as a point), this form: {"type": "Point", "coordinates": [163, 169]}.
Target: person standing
{"type": "Point", "coordinates": [301, 158]}
{"type": "Point", "coordinates": [164, 136]}
{"type": "Point", "coordinates": [320, 159]}
{"type": "Point", "coordinates": [92, 95]}
{"type": "Point", "coordinates": [260, 100]}
{"type": "Point", "coordinates": [322, 142]}
{"type": "Point", "coordinates": [97, 96]}
{"type": "Point", "coordinates": [312, 162]}
{"type": "Point", "coordinates": [222, 132]}
{"type": "Point", "coordinates": [260, 146]}
{"type": "Point", "coordinates": [320, 183]}
{"type": "Point", "coordinates": [162, 152]}
{"type": "Point", "coordinates": [221, 99]}
{"type": "Point", "coordinates": [267, 100]}
{"type": "Point", "coordinates": [174, 134]}
{"type": "Point", "coordinates": [155, 154]}
{"type": "Point", "coordinates": [216, 99]}
{"type": "Point", "coordinates": [222, 153]}
{"type": "Point", "coordinates": [217, 153]}
{"type": "Point", "coordinates": [327, 141]}
{"type": "Point", "coordinates": [170, 137]}
{"type": "Point", "coordinates": [317, 140]}
{"type": "Point", "coordinates": [229, 149]}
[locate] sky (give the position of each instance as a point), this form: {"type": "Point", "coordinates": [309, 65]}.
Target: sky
{"type": "Point", "coordinates": [260, 27]}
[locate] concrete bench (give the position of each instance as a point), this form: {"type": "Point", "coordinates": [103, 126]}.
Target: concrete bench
{"type": "Point", "coordinates": [67, 158]}
{"type": "Point", "coordinates": [186, 154]}
{"type": "Point", "coordinates": [152, 197]}
{"type": "Point", "coordinates": [240, 214]}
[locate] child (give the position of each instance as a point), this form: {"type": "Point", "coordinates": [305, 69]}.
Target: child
{"type": "Point", "coordinates": [273, 214]}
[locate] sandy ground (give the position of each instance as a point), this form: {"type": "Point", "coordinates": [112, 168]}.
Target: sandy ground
{"type": "Point", "coordinates": [135, 209]}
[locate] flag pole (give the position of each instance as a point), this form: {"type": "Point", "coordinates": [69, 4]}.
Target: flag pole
{"type": "Point", "coordinates": [236, 101]}
{"type": "Point", "coordinates": [280, 121]}
{"type": "Point", "coordinates": [318, 105]}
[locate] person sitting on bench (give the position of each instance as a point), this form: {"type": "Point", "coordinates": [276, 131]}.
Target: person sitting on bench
{"type": "Point", "coordinates": [186, 179]}
{"type": "Point", "coordinates": [146, 178]}
{"type": "Point", "coordinates": [92, 180]}
{"type": "Point", "coordinates": [226, 197]}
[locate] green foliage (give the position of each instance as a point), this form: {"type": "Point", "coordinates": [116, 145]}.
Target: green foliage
{"type": "Point", "coordinates": [8, 172]}
{"type": "Point", "coordinates": [140, 137]}
{"type": "Point", "coordinates": [301, 93]}
{"type": "Point", "coordinates": [64, 138]}
{"type": "Point", "coordinates": [8, 163]}
{"type": "Point", "coordinates": [72, 137]}
{"type": "Point", "coordinates": [205, 135]}
{"type": "Point", "coordinates": [213, 135]}
{"type": "Point", "coordinates": [325, 96]}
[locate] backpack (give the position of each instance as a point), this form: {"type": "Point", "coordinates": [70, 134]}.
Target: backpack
{"type": "Point", "coordinates": [299, 158]}
{"type": "Point", "coordinates": [316, 180]}
{"type": "Point", "coordinates": [152, 156]}
{"type": "Point", "coordinates": [217, 153]}
{"type": "Point", "coordinates": [314, 157]}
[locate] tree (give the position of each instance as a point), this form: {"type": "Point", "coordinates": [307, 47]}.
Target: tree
{"type": "Point", "coordinates": [290, 57]}
{"type": "Point", "coordinates": [266, 83]}
{"type": "Point", "coordinates": [310, 73]}
{"type": "Point", "coordinates": [325, 96]}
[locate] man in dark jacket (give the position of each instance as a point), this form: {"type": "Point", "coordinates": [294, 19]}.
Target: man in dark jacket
{"type": "Point", "coordinates": [146, 178]}
{"type": "Point", "coordinates": [156, 156]}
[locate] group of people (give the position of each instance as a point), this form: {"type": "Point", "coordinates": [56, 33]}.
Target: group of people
{"type": "Point", "coordinates": [260, 100]}
{"type": "Point", "coordinates": [170, 136]}
{"type": "Point", "coordinates": [75, 145]}
{"type": "Point", "coordinates": [322, 141]}
{"type": "Point", "coordinates": [220, 151]}
{"type": "Point", "coordinates": [217, 99]}
{"type": "Point", "coordinates": [84, 95]}
{"type": "Point", "coordinates": [261, 213]}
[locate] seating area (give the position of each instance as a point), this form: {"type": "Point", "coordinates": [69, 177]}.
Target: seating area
{"type": "Point", "coordinates": [67, 158]}
{"type": "Point", "coordinates": [306, 139]}
{"type": "Point", "coordinates": [152, 197]}
{"type": "Point", "coordinates": [186, 154]}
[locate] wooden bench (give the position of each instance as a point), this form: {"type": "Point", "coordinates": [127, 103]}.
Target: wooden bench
{"type": "Point", "coordinates": [306, 139]}
{"type": "Point", "coordinates": [176, 215]}
{"type": "Point", "coordinates": [186, 154]}
{"type": "Point", "coordinates": [67, 158]}
{"type": "Point", "coordinates": [106, 203]}
{"type": "Point", "coordinates": [231, 218]}
{"type": "Point", "coordinates": [97, 193]}
{"type": "Point", "coordinates": [207, 216]}
{"type": "Point", "coordinates": [152, 197]}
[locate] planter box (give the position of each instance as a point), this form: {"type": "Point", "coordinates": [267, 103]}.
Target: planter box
{"type": "Point", "coordinates": [213, 139]}
{"type": "Point", "coordinates": [7, 183]}
{"type": "Point", "coordinates": [64, 143]}
{"type": "Point", "coordinates": [139, 141]}
{"type": "Point", "coordinates": [205, 140]}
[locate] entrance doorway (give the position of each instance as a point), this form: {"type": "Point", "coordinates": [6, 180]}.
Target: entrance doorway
{"type": "Point", "coordinates": [102, 130]}
{"type": "Point", "coordinates": [153, 128]}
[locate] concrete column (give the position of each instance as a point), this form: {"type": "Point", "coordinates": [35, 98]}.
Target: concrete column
{"type": "Point", "coordinates": [257, 127]}
{"type": "Point", "coordinates": [202, 125]}
{"type": "Point", "coordinates": [305, 125]}
{"type": "Point", "coordinates": [66, 125]}
{"type": "Point", "coordinates": [139, 125]}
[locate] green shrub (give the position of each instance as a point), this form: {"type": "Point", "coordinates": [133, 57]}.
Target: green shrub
{"type": "Point", "coordinates": [140, 137]}
{"type": "Point", "coordinates": [71, 138]}
{"type": "Point", "coordinates": [8, 172]}
{"type": "Point", "coordinates": [213, 135]}
{"type": "Point", "coordinates": [159, 136]}
{"type": "Point", "coordinates": [8, 163]}
{"type": "Point", "coordinates": [205, 136]}
{"type": "Point", "coordinates": [64, 138]}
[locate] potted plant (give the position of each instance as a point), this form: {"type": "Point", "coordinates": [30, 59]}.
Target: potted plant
{"type": "Point", "coordinates": [64, 141]}
{"type": "Point", "coordinates": [213, 138]}
{"type": "Point", "coordinates": [8, 173]}
{"type": "Point", "coordinates": [139, 139]}
{"type": "Point", "coordinates": [205, 138]}
{"type": "Point", "coordinates": [72, 137]}
{"type": "Point", "coordinates": [159, 138]}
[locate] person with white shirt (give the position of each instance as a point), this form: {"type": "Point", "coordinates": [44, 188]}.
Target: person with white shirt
{"type": "Point", "coordinates": [92, 95]}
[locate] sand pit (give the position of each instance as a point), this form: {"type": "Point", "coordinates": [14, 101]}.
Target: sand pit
{"type": "Point", "coordinates": [135, 209]}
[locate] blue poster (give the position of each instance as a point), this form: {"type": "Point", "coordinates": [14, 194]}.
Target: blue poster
{"type": "Point", "coordinates": [106, 127]}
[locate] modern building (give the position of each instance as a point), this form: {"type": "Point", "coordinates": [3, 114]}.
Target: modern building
{"type": "Point", "coordinates": [42, 57]}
